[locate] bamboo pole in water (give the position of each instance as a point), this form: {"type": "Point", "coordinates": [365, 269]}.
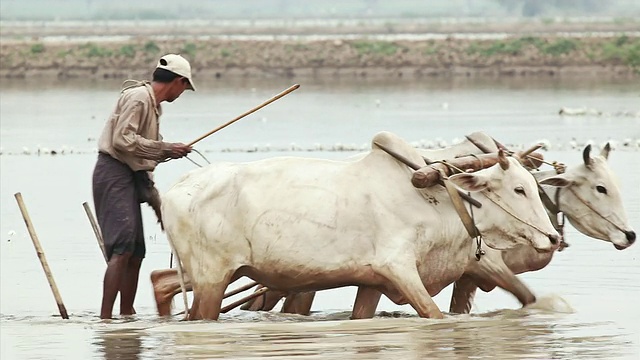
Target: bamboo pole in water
{"type": "Point", "coordinates": [41, 256]}
{"type": "Point", "coordinates": [96, 229]}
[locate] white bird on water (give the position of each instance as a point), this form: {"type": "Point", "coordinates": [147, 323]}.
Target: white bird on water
{"type": "Point", "coordinates": [573, 143]}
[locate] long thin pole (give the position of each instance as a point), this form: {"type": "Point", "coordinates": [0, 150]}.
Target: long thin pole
{"type": "Point", "coordinates": [237, 291]}
{"type": "Point", "coordinates": [285, 92]}
{"type": "Point", "coordinates": [240, 289]}
{"type": "Point", "coordinates": [96, 229]}
{"type": "Point", "coordinates": [41, 256]}
{"type": "Point", "coordinates": [243, 300]}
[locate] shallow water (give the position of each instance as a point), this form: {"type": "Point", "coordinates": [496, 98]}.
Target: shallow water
{"type": "Point", "coordinates": [587, 295]}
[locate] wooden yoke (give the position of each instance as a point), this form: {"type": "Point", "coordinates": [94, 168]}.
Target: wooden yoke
{"type": "Point", "coordinates": [429, 175]}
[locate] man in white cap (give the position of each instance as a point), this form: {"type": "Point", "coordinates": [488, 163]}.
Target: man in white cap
{"type": "Point", "coordinates": [130, 148]}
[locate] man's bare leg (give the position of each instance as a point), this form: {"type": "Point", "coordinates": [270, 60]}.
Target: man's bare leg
{"type": "Point", "coordinates": [113, 280]}
{"type": "Point", "coordinates": [129, 286]}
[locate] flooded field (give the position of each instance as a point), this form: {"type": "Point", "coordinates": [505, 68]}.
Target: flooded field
{"type": "Point", "coordinates": [587, 306]}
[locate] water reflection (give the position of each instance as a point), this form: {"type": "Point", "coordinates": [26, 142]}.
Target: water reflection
{"type": "Point", "coordinates": [505, 336]}
{"type": "Point", "coordinates": [119, 344]}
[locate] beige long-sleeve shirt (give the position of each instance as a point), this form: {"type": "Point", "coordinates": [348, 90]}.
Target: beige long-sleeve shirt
{"type": "Point", "coordinates": [132, 133]}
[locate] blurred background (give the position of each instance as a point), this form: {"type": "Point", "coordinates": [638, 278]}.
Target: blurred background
{"type": "Point", "coordinates": [315, 9]}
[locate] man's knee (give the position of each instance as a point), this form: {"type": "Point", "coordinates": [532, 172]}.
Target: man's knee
{"type": "Point", "coordinates": [120, 259]}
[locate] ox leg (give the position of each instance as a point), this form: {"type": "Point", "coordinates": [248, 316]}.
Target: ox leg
{"type": "Point", "coordinates": [407, 281]}
{"type": "Point", "coordinates": [265, 302]}
{"type": "Point", "coordinates": [510, 282]}
{"type": "Point", "coordinates": [209, 295]}
{"type": "Point", "coordinates": [464, 291]}
{"type": "Point", "coordinates": [299, 303]}
{"type": "Point", "coordinates": [166, 285]}
{"type": "Point", "coordinates": [366, 303]}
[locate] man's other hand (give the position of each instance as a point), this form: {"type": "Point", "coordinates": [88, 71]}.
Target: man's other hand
{"type": "Point", "coordinates": [179, 150]}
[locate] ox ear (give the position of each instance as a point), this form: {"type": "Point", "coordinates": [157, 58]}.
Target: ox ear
{"type": "Point", "coordinates": [605, 151]}
{"type": "Point", "coordinates": [558, 181]}
{"type": "Point", "coordinates": [469, 181]}
{"type": "Point", "coordinates": [586, 155]}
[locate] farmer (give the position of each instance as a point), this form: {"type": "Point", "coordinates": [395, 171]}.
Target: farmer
{"type": "Point", "coordinates": [130, 148]}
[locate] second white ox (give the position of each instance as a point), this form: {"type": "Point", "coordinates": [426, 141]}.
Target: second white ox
{"type": "Point", "coordinates": [299, 224]}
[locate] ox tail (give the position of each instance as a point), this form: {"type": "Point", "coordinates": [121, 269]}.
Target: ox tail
{"type": "Point", "coordinates": [183, 288]}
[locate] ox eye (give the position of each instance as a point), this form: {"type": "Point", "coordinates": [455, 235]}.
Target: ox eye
{"type": "Point", "coordinates": [601, 189]}
{"type": "Point", "coordinates": [520, 191]}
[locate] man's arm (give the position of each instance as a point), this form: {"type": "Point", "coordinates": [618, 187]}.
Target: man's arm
{"type": "Point", "coordinates": [126, 138]}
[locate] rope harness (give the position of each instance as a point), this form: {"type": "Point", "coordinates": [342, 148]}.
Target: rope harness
{"type": "Point", "coordinates": [588, 204]}
{"type": "Point", "coordinates": [558, 218]}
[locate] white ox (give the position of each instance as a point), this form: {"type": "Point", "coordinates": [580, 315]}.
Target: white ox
{"type": "Point", "coordinates": [166, 284]}
{"type": "Point", "coordinates": [587, 193]}
{"type": "Point", "coordinates": [299, 224]}
{"type": "Point", "coordinates": [592, 202]}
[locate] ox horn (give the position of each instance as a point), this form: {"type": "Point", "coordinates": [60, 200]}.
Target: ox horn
{"type": "Point", "coordinates": [502, 159]}
{"type": "Point", "coordinates": [586, 155]}
{"type": "Point", "coordinates": [605, 151]}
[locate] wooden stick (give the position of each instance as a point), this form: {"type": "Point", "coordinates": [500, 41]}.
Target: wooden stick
{"type": "Point", "coordinates": [240, 289]}
{"type": "Point", "coordinates": [43, 259]}
{"type": "Point", "coordinates": [96, 229]}
{"type": "Point", "coordinates": [287, 91]}
{"type": "Point", "coordinates": [236, 291]}
{"type": "Point", "coordinates": [243, 300]}
{"type": "Point", "coordinates": [429, 175]}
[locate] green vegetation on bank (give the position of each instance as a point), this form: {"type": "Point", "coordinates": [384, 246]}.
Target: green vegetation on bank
{"type": "Point", "coordinates": [622, 49]}
{"type": "Point", "coordinates": [525, 51]}
{"type": "Point", "coordinates": [375, 47]}
{"type": "Point", "coordinates": [519, 45]}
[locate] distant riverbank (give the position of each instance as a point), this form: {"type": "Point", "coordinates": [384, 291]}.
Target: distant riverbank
{"type": "Point", "coordinates": [360, 56]}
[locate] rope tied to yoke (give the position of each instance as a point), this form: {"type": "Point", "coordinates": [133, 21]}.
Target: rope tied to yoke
{"type": "Point", "coordinates": [468, 219]}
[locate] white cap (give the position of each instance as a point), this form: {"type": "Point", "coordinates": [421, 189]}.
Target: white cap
{"type": "Point", "coordinates": [177, 65]}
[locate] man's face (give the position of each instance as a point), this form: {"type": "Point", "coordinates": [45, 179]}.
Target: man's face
{"type": "Point", "coordinates": [176, 88]}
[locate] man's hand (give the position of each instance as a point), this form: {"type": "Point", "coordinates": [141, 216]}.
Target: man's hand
{"type": "Point", "coordinates": [178, 150]}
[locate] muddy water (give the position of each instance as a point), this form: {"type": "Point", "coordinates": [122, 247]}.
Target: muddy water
{"type": "Point", "coordinates": [588, 294]}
